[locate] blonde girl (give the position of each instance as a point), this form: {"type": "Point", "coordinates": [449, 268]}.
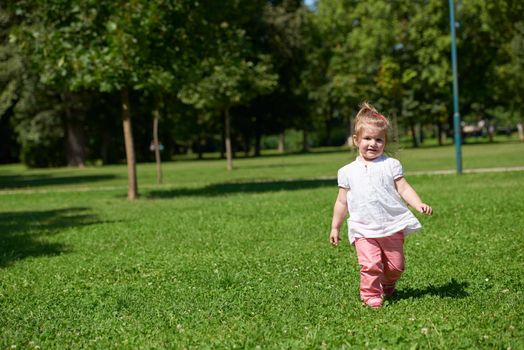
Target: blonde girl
{"type": "Point", "coordinates": [372, 189]}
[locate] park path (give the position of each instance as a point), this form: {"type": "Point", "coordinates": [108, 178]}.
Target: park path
{"type": "Point", "coordinates": [112, 188]}
{"type": "Point", "coordinates": [467, 171]}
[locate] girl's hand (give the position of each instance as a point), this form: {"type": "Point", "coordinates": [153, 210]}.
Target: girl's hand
{"type": "Point", "coordinates": [425, 209]}
{"type": "Point", "coordinates": [334, 237]}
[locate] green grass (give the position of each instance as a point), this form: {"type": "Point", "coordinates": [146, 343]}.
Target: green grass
{"type": "Point", "coordinates": [320, 163]}
{"type": "Point", "coordinates": [242, 260]}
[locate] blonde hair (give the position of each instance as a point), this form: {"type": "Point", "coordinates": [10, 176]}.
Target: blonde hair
{"type": "Point", "coordinates": [368, 116]}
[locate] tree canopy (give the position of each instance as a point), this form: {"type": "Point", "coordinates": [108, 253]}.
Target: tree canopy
{"type": "Point", "coordinates": [223, 74]}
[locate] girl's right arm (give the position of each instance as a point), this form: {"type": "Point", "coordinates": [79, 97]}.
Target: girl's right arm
{"type": "Point", "coordinates": [409, 195]}
{"type": "Point", "coordinates": [339, 214]}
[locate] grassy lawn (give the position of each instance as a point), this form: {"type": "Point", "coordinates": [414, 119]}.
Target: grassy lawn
{"type": "Point", "coordinates": [320, 163]}
{"type": "Point", "coordinates": [242, 260]}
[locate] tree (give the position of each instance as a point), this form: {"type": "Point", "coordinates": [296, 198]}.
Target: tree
{"type": "Point", "coordinates": [510, 92]}
{"type": "Point", "coordinates": [485, 34]}
{"type": "Point", "coordinates": [506, 20]}
{"type": "Point", "coordinates": [350, 39]}
{"type": "Point", "coordinates": [281, 34]}
{"type": "Point", "coordinates": [421, 58]}
{"type": "Point", "coordinates": [228, 78]}
{"type": "Point", "coordinates": [11, 69]}
{"type": "Point", "coordinates": [395, 55]}
{"type": "Point", "coordinates": [105, 46]}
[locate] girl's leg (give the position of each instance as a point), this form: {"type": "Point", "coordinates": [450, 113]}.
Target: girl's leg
{"type": "Point", "coordinates": [393, 260]}
{"type": "Point", "coordinates": [371, 271]}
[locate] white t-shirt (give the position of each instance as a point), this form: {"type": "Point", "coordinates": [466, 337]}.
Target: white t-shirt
{"type": "Point", "coordinates": [375, 207]}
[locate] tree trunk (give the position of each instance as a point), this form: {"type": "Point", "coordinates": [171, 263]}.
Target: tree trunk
{"type": "Point", "coordinates": [157, 147]}
{"type": "Point", "coordinates": [282, 142]}
{"type": "Point", "coordinates": [491, 132]}
{"type": "Point", "coordinates": [223, 143]}
{"type": "Point", "coordinates": [132, 186]}
{"type": "Point", "coordinates": [396, 135]}
{"type": "Point", "coordinates": [440, 134]}
{"type": "Point", "coordinates": [349, 140]}
{"type": "Point", "coordinates": [75, 137]}
{"type": "Point", "coordinates": [247, 145]}
{"type": "Point", "coordinates": [520, 129]}
{"type": "Point", "coordinates": [200, 147]}
{"type": "Point", "coordinates": [414, 135]}
{"type": "Point", "coordinates": [258, 141]}
{"type": "Point", "coordinates": [305, 141]}
{"type": "Point", "coordinates": [75, 144]}
{"type": "Point", "coordinates": [229, 153]}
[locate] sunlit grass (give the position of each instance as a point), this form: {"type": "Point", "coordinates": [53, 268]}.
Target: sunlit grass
{"type": "Point", "coordinates": [320, 163]}
{"type": "Point", "coordinates": [218, 260]}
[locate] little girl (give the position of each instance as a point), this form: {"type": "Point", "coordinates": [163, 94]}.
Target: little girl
{"type": "Point", "coordinates": [371, 189]}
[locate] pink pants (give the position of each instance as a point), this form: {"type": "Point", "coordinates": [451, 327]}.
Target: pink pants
{"type": "Point", "coordinates": [381, 263]}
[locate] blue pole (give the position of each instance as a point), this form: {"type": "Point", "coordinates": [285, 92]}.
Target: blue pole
{"type": "Point", "coordinates": [456, 113]}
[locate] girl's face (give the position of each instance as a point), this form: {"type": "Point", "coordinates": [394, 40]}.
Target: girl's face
{"type": "Point", "coordinates": [370, 142]}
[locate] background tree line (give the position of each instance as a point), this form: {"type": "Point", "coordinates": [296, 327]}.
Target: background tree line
{"type": "Point", "coordinates": [219, 76]}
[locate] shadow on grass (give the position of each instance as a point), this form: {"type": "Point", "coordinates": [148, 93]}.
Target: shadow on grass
{"type": "Point", "coordinates": [20, 181]}
{"type": "Point", "coordinates": [23, 233]}
{"type": "Point", "coordinates": [453, 289]}
{"type": "Point", "coordinates": [242, 187]}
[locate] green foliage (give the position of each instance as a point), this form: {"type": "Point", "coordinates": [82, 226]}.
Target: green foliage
{"type": "Point", "coordinates": [38, 123]}
{"type": "Point", "coordinates": [488, 30]}
{"type": "Point", "coordinates": [228, 84]}
{"type": "Point", "coordinates": [511, 93]}
{"type": "Point", "coordinates": [397, 55]}
{"type": "Point", "coordinates": [225, 260]}
{"type": "Point", "coordinates": [229, 78]}
{"type": "Point", "coordinates": [286, 65]}
{"type": "Point", "coordinates": [10, 64]}
{"type": "Point", "coordinates": [10, 69]}
{"type": "Point", "coordinates": [102, 45]}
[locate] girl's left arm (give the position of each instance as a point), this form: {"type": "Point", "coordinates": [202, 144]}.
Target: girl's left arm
{"type": "Point", "coordinates": [411, 197]}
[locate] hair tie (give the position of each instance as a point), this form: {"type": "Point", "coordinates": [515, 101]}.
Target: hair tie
{"type": "Point", "coordinates": [377, 115]}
